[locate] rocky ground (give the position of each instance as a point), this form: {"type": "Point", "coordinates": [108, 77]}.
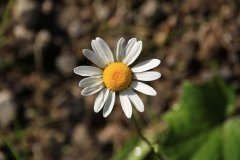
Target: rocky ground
{"type": "Point", "coordinates": [43, 115]}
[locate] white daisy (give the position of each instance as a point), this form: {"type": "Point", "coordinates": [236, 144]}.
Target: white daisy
{"type": "Point", "coordinates": [114, 76]}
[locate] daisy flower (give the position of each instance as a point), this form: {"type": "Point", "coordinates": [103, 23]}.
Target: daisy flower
{"type": "Point", "coordinates": [115, 76]}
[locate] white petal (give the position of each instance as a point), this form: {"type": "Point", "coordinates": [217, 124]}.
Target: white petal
{"type": "Point", "coordinates": [90, 81]}
{"type": "Point", "coordinates": [135, 99]}
{"type": "Point", "coordinates": [103, 46]}
{"type": "Point", "coordinates": [130, 44]}
{"type": "Point", "coordinates": [98, 51]}
{"type": "Point", "coordinates": [147, 76]}
{"type": "Point", "coordinates": [120, 53]}
{"type": "Point", "coordinates": [146, 65]}
{"type": "Point", "coordinates": [100, 100]}
{"type": "Point", "coordinates": [133, 54]}
{"type": "Point", "coordinates": [144, 88]}
{"type": "Point", "coordinates": [128, 47]}
{"type": "Point", "coordinates": [126, 104]}
{"type": "Point", "coordinates": [87, 71]}
{"type": "Point", "coordinates": [108, 106]}
{"type": "Point", "coordinates": [94, 57]}
{"type": "Point", "coordinates": [91, 90]}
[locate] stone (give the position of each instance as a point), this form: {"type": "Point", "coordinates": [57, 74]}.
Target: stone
{"type": "Point", "coordinates": [65, 63]}
{"type": "Point", "coordinates": [7, 109]}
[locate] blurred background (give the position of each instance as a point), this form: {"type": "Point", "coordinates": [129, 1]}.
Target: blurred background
{"type": "Point", "coordinates": [44, 116]}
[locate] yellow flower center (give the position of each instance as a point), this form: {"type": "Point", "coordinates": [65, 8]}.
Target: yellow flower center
{"type": "Point", "coordinates": [117, 76]}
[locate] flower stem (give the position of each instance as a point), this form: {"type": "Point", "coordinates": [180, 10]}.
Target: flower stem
{"type": "Point", "coordinates": [139, 131]}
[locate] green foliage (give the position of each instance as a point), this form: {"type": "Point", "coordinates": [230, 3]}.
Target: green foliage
{"type": "Point", "coordinates": [231, 139]}
{"type": "Point", "coordinates": [197, 122]}
{"type": "Point", "coordinates": [126, 149]}
{"type": "Point", "coordinates": [201, 126]}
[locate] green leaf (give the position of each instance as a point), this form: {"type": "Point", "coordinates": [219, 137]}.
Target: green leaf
{"type": "Point", "coordinates": [199, 127]}
{"type": "Point", "coordinates": [135, 149]}
{"type": "Point", "coordinates": [127, 148]}
{"type": "Point", "coordinates": [211, 147]}
{"type": "Point", "coordinates": [200, 108]}
{"type": "Point", "coordinates": [196, 122]}
{"type": "Point", "coordinates": [231, 139]}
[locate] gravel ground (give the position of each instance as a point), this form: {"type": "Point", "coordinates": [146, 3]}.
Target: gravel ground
{"type": "Point", "coordinates": [42, 113]}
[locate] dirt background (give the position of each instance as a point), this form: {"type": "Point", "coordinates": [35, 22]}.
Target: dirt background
{"type": "Point", "coordinates": [42, 113]}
